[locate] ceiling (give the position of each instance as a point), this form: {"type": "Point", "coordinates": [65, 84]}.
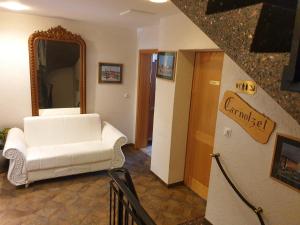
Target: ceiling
{"type": "Point", "coordinates": [102, 11]}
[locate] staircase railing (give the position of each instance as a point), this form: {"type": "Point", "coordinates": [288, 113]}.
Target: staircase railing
{"type": "Point", "coordinates": [257, 210]}
{"type": "Point", "coordinates": [125, 207]}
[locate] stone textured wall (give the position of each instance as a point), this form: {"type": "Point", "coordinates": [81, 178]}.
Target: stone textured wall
{"type": "Point", "coordinates": [255, 37]}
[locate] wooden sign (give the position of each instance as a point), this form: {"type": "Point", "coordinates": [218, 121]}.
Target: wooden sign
{"type": "Point", "coordinates": [259, 126]}
{"type": "Point", "coordinates": [246, 86]}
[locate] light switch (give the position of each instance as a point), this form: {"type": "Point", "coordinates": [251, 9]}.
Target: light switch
{"type": "Point", "coordinates": [227, 132]}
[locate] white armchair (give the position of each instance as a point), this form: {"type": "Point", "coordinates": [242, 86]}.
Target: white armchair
{"type": "Point", "coordinates": [57, 146]}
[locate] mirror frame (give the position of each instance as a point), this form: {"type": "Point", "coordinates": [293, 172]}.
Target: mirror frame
{"type": "Point", "coordinates": [56, 34]}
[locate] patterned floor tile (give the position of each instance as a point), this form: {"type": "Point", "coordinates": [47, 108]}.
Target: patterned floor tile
{"type": "Point", "coordinates": [84, 199]}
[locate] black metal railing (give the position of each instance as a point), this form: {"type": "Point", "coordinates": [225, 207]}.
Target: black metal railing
{"type": "Point", "coordinates": [125, 207]}
{"type": "Point", "coordinates": [257, 210]}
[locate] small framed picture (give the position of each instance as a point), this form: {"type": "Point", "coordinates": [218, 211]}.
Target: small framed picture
{"type": "Point", "coordinates": [110, 73]}
{"type": "Point", "coordinates": [166, 65]}
{"type": "Point", "coordinates": [286, 161]}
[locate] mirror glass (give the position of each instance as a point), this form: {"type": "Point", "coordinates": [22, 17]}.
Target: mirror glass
{"type": "Point", "coordinates": [57, 66]}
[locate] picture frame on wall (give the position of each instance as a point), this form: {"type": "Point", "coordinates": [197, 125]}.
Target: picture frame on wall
{"type": "Point", "coordinates": [286, 161]}
{"type": "Point", "coordinates": [110, 73]}
{"type": "Point", "coordinates": [166, 64]}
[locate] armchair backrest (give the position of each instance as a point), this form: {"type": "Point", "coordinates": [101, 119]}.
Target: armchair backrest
{"type": "Point", "coordinates": [64, 129]}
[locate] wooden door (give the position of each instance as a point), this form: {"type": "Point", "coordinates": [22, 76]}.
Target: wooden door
{"type": "Point", "coordinates": [202, 122]}
{"type": "Point", "coordinates": [152, 98]}
{"type": "Point", "coordinates": [144, 91]}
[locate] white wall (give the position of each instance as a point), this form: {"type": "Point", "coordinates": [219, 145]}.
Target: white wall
{"type": "Point", "coordinates": [175, 32]}
{"type": "Point", "coordinates": [178, 32]}
{"type": "Point", "coordinates": [247, 161]}
{"type": "Point", "coordinates": [104, 44]}
{"type": "Point", "coordinates": [148, 37]}
{"type": "Point", "coordinates": [181, 114]}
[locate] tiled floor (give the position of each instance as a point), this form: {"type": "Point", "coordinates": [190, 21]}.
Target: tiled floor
{"type": "Point", "coordinates": [147, 150]}
{"type": "Point", "coordinates": [84, 199]}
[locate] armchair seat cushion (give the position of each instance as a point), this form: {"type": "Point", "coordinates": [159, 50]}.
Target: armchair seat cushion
{"type": "Point", "coordinates": [56, 156]}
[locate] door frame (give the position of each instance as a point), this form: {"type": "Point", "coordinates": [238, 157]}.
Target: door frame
{"type": "Point", "coordinates": [186, 170]}
{"type": "Point", "coordinates": [142, 109]}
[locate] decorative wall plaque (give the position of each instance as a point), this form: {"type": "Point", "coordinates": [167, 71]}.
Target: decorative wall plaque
{"type": "Point", "coordinates": [215, 82]}
{"type": "Point", "coordinates": [246, 86]}
{"type": "Point", "coordinates": [259, 126]}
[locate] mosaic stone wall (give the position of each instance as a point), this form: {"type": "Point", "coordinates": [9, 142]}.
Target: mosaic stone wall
{"type": "Point", "coordinates": [257, 36]}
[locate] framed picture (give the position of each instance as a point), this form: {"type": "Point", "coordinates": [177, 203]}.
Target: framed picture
{"type": "Point", "coordinates": [110, 73]}
{"type": "Point", "coordinates": [286, 161]}
{"type": "Point", "coordinates": [166, 65]}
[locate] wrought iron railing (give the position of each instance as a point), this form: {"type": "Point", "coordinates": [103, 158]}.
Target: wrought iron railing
{"type": "Point", "coordinates": [125, 207]}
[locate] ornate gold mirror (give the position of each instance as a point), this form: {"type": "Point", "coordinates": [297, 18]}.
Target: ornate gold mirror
{"type": "Point", "coordinates": [57, 71]}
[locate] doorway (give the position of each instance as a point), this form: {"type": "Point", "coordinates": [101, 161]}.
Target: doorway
{"type": "Point", "coordinates": [202, 120]}
{"type": "Point", "coordinates": [146, 100]}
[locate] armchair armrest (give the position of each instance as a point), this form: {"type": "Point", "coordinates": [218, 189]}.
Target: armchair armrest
{"type": "Point", "coordinates": [15, 140]}
{"type": "Point", "coordinates": [116, 140]}
{"type": "Point", "coordinates": [15, 149]}
{"type": "Point", "coordinates": [113, 136]}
